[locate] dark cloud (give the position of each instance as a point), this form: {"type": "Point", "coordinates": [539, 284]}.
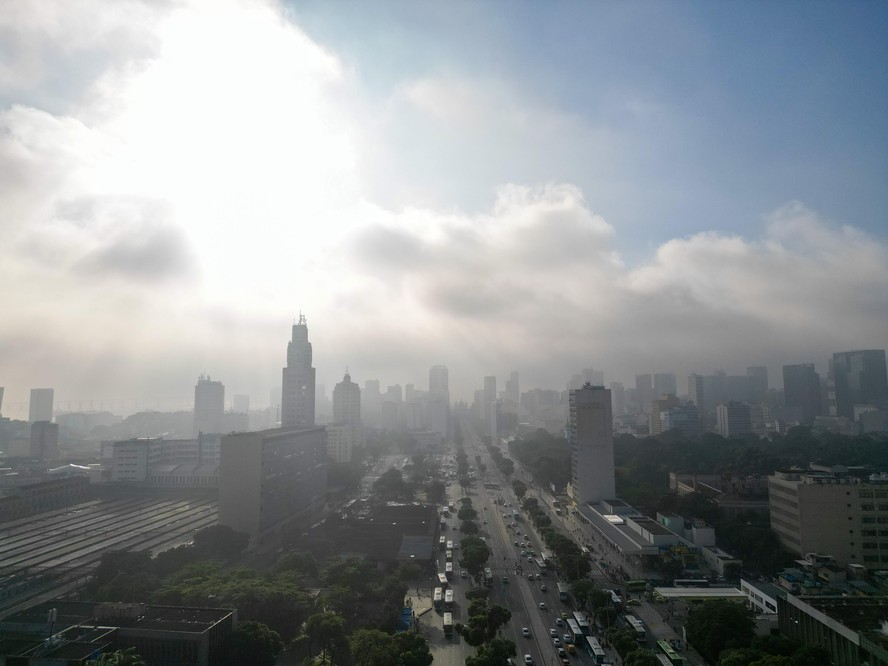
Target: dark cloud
{"type": "Point", "coordinates": [145, 254]}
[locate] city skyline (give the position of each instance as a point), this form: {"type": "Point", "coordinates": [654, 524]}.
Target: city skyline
{"type": "Point", "coordinates": [651, 188]}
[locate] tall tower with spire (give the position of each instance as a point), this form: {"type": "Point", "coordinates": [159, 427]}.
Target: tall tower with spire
{"type": "Point", "coordinates": [298, 399]}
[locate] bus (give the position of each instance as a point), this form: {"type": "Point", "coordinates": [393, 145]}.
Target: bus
{"type": "Point", "coordinates": [448, 600]}
{"type": "Point", "coordinates": [541, 565]}
{"type": "Point", "coordinates": [636, 585]}
{"type": "Point", "coordinates": [663, 660]}
{"type": "Point", "coordinates": [515, 515]}
{"type": "Point", "coordinates": [442, 543]}
{"type": "Point", "coordinates": [488, 577]}
{"type": "Point", "coordinates": [438, 598]}
{"type": "Point", "coordinates": [442, 581]}
{"type": "Point", "coordinates": [445, 511]}
{"type": "Point", "coordinates": [443, 525]}
{"type": "Point", "coordinates": [448, 571]}
{"type": "Point", "coordinates": [616, 601]}
{"type": "Point", "coordinates": [690, 582]}
{"type": "Point", "coordinates": [449, 544]}
{"type": "Point", "coordinates": [669, 652]}
{"type": "Point", "coordinates": [637, 627]}
{"type": "Point", "coordinates": [583, 623]}
{"type": "Point", "coordinates": [448, 624]}
{"type": "Point", "coordinates": [575, 631]}
{"type": "Point", "coordinates": [593, 647]}
{"type": "Point", "coordinates": [563, 591]}
{"type": "Point", "coordinates": [448, 556]}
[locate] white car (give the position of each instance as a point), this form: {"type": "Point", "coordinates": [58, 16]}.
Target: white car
{"type": "Point", "coordinates": [525, 632]}
{"type": "Point", "coordinates": [543, 606]}
{"type": "Point", "coordinates": [556, 642]}
{"type": "Point", "coordinates": [528, 659]}
{"type": "Point", "coordinates": [553, 633]}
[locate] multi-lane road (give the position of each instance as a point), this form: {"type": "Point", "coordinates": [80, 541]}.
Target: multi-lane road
{"type": "Point", "coordinates": [512, 587]}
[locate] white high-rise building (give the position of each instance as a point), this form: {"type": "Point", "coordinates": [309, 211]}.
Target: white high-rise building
{"type": "Point", "coordinates": [439, 400]}
{"type": "Point", "coordinates": [209, 406]}
{"type": "Point", "coordinates": [345, 431]}
{"type": "Point", "coordinates": [40, 407]}
{"type": "Point", "coordinates": [298, 399]}
{"type": "Point", "coordinates": [590, 432]}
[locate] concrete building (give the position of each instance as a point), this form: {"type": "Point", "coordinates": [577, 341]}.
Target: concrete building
{"type": "Point", "coordinates": [346, 431]}
{"type": "Point", "coordinates": [801, 392]}
{"type": "Point", "coordinates": [272, 482]}
{"type": "Point", "coordinates": [209, 406]}
{"type": "Point", "coordinates": [682, 417]}
{"type": "Point", "coordinates": [159, 461]}
{"type": "Point", "coordinates": [488, 399]}
{"type": "Point", "coordinates": [240, 403]}
{"type": "Point", "coordinates": [757, 376]}
{"type": "Point", "coordinates": [644, 392]}
{"type": "Point", "coordinates": [860, 378]}
{"type": "Point", "coordinates": [664, 403]}
{"type": "Point", "coordinates": [590, 433]}
{"type": "Point", "coordinates": [823, 512]}
{"type": "Point", "coordinates": [298, 399]}
{"type": "Point", "coordinates": [44, 440]}
{"type": "Point", "coordinates": [664, 384]}
{"type": "Point", "coordinates": [83, 630]}
{"type": "Point", "coordinates": [40, 406]}
{"type": "Point", "coordinates": [733, 418]}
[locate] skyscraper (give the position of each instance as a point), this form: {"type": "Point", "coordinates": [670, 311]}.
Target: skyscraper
{"type": "Point", "coordinates": [40, 407]}
{"type": "Point", "coordinates": [488, 397]}
{"type": "Point", "coordinates": [758, 383]}
{"type": "Point", "coordinates": [644, 391]}
{"type": "Point", "coordinates": [664, 384]}
{"type": "Point", "coordinates": [345, 432]}
{"type": "Point", "coordinates": [590, 433]}
{"type": "Point", "coordinates": [733, 418]}
{"type": "Point", "coordinates": [209, 406]}
{"type": "Point", "coordinates": [298, 399]}
{"type": "Point", "coordinates": [439, 400]}
{"type": "Point", "coordinates": [801, 391]}
{"type": "Point", "coordinates": [860, 379]}
{"type": "Point", "coordinates": [513, 390]}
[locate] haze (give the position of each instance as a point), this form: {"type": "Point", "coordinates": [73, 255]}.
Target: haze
{"type": "Point", "coordinates": [635, 187]}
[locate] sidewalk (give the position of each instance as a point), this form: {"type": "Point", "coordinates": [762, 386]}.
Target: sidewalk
{"type": "Point", "coordinates": [661, 629]}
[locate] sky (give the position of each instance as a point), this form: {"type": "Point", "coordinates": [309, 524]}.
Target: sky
{"type": "Point", "coordinates": [493, 186]}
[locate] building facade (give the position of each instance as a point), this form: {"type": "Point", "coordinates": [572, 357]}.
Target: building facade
{"type": "Point", "coordinates": [590, 433]}
{"type": "Point", "coordinates": [733, 418]}
{"type": "Point", "coordinates": [40, 406]}
{"type": "Point", "coordinates": [346, 431]}
{"type": "Point", "coordinates": [801, 392]}
{"type": "Point", "coordinates": [209, 406]}
{"type": "Point", "coordinates": [835, 513]}
{"type": "Point", "coordinates": [298, 399]}
{"type": "Point", "coordinates": [272, 482]}
{"type": "Point", "coordinates": [860, 378]}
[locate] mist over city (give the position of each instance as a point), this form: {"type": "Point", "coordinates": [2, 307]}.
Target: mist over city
{"type": "Point", "coordinates": [423, 333]}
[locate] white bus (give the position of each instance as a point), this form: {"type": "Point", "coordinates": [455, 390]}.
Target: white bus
{"type": "Point", "coordinates": [448, 624]}
{"type": "Point", "coordinates": [582, 621]}
{"type": "Point", "coordinates": [442, 543]}
{"type": "Point", "coordinates": [448, 571]}
{"type": "Point", "coordinates": [448, 600]}
{"type": "Point", "coordinates": [442, 581]}
{"type": "Point", "coordinates": [448, 556]}
{"type": "Point", "coordinates": [449, 545]}
{"type": "Point", "coordinates": [638, 627]}
{"type": "Point", "coordinates": [438, 598]}
{"type": "Point", "coordinates": [575, 631]}
{"type": "Point", "coordinates": [593, 647]}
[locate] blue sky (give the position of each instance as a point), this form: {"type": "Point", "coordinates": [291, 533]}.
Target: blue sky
{"type": "Point", "coordinates": [494, 186]}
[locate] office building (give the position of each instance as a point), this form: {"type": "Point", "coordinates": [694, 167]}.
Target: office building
{"type": "Point", "coordinates": [40, 407]}
{"type": "Point", "coordinates": [272, 482]}
{"type": "Point", "coordinates": [513, 391]}
{"type": "Point", "coordinates": [758, 383]}
{"type": "Point", "coordinates": [346, 432]}
{"type": "Point", "coordinates": [240, 404]}
{"type": "Point", "coordinates": [618, 395]}
{"type": "Point", "coordinates": [801, 392]}
{"type": "Point", "coordinates": [733, 418]}
{"type": "Point", "coordinates": [488, 398]}
{"type": "Point", "coordinates": [209, 406]}
{"type": "Point", "coordinates": [664, 384]}
{"type": "Point", "coordinates": [44, 440]}
{"type": "Point", "coordinates": [685, 418]}
{"type": "Point", "coordinates": [371, 404]}
{"type": "Point", "coordinates": [860, 378]}
{"type": "Point", "coordinates": [644, 392]}
{"type": "Point", "coordinates": [835, 513]}
{"type": "Point", "coordinates": [666, 401]}
{"type": "Point", "coordinates": [590, 433]}
{"type": "Point", "coordinates": [298, 399]}
{"type": "Point", "coordinates": [439, 400]}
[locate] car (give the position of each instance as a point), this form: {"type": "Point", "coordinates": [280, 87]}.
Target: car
{"type": "Point", "coordinates": [565, 661]}
{"type": "Point", "coordinates": [556, 642]}
{"type": "Point", "coordinates": [529, 558]}
{"type": "Point", "coordinates": [528, 659]}
{"type": "Point", "coordinates": [633, 602]}
{"type": "Point", "coordinates": [523, 553]}
{"type": "Point", "coordinates": [518, 532]}
{"type": "Point", "coordinates": [525, 632]}
{"type": "Point", "coordinates": [553, 633]}
{"type": "Point", "coordinates": [559, 622]}
{"type": "Point", "coordinates": [543, 588]}
{"type": "Point", "coordinates": [505, 579]}
{"type": "Point", "coordinates": [517, 545]}
{"type": "Point", "coordinates": [566, 639]}
{"type": "Point", "coordinates": [538, 576]}
{"type": "Point", "coordinates": [571, 648]}
{"type": "Point", "coordinates": [529, 576]}
{"type": "Point", "coordinates": [562, 653]}
{"type": "Point", "coordinates": [543, 606]}
{"type": "Point", "coordinates": [563, 615]}
{"type": "Point", "coordinates": [463, 573]}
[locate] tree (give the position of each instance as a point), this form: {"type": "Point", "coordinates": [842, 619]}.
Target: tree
{"type": "Point", "coordinates": [474, 554]}
{"type": "Point", "coordinates": [435, 491]}
{"type": "Point", "coordinates": [252, 643]}
{"type": "Point", "coordinates": [494, 653]}
{"type": "Point", "coordinates": [811, 654]}
{"type": "Point", "coordinates": [464, 483]}
{"type": "Point", "coordinates": [411, 650]}
{"type": "Point", "coordinates": [127, 657]}
{"type": "Point", "coordinates": [325, 630]}
{"type": "Point", "coordinates": [641, 657]}
{"type": "Point", "coordinates": [623, 640]}
{"type": "Point", "coordinates": [370, 647]}
{"type": "Point", "coordinates": [467, 513]}
{"type": "Point", "coordinates": [468, 527]}
{"type": "Point", "coordinates": [773, 660]}
{"type": "Point", "coordinates": [719, 625]}
{"type": "Point", "coordinates": [220, 542]}
{"type": "Point", "coordinates": [520, 489]}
